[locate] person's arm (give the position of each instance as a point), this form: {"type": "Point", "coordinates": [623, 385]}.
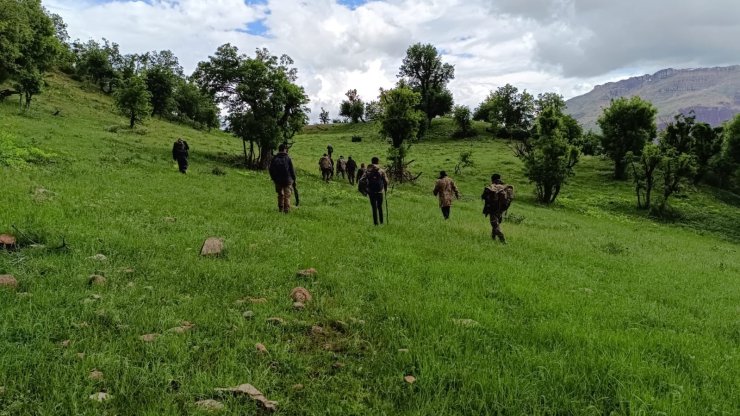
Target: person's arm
{"type": "Point", "coordinates": [385, 182]}
{"type": "Point", "coordinates": [292, 171]}
{"type": "Point", "coordinates": [436, 189]}
{"type": "Point", "coordinates": [174, 152]}
{"type": "Point", "coordinates": [454, 189]}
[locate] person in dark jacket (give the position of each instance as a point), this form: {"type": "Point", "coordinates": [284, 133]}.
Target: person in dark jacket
{"type": "Point", "coordinates": [180, 153]}
{"type": "Point", "coordinates": [351, 169]}
{"type": "Point", "coordinates": [377, 184]}
{"type": "Point", "coordinates": [283, 175]}
{"type": "Point", "coordinates": [360, 172]}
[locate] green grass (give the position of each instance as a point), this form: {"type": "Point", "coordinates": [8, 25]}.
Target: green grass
{"type": "Point", "coordinates": [591, 309]}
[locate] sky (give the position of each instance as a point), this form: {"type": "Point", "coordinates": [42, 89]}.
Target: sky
{"type": "Point", "coordinates": [563, 46]}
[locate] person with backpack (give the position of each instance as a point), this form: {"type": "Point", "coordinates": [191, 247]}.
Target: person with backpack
{"type": "Point", "coordinates": [180, 153]}
{"type": "Point", "coordinates": [325, 167]}
{"type": "Point", "coordinates": [283, 175]}
{"type": "Point", "coordinates": [374, 182]}
{"type": "Point", "coordinates": [360, 173]}
{"type": "Point", "coordinates": [341, 166]}
{"type": "Point", "coordinates": [351, 170]}
{"type": "Point", "coordinates": [497, 198]}
{"type": "Point", "coordinates": [329, 151]}
{"type": "Point", "coordinates": [444, 189]}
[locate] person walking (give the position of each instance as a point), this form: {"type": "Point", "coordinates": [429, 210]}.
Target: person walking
{"type": "Point", "coordinates": [325, 167]}
{"type": "Point", "coordinates": [497, 197]}
{"type": "Point", "coordinates": [351, 170]}
{"type": "Point", "coordinates": [180, 153]}
{"type": "Point", "coordinates": [445, 189]}
{"type": "Point", "coordinates": [341, 166]}
{"type": "Point", "coordinates": [283, 175]}
{"type": "Point", "coordinates": [376, 184]}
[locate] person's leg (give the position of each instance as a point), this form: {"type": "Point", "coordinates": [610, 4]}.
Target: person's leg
{"type": "Point", "coordinates": [279, 190]}
{"type": "Point", "coordinates": [380, 207]}
{"type": "Point", "coordinates": [446, 212]}
{"type": "Point", "coordinates": [496, 228]}
{"type": "Point", "coordinates": [374, 206]}
{"type": "Point", "coordinates": [287, 192]}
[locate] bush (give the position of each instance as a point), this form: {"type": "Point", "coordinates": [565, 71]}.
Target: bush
{"type": "Point", "coordinates": [19, 157]}
{"type": "Point", "coordinates": [356, 139]}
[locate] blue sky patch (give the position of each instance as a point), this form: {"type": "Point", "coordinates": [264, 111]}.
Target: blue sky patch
{"type": "Point", "coordinates": [352, 4]}
{"type": "Point", "coordinates": [257, 28]}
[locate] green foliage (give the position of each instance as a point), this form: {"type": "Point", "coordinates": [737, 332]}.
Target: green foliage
{"type": "Point", "coordinates": [707, 143]}
{"type": "Point", "coordinates": [132, 100]}
{"type": "Point", "coordinates": [548, 157]}
{"type": "Point", "coordinates": [399, 123]}
{"type": "Point", "coordinates": [423, 70]}
{"type": "Point", "coordinates": [265, 105]}
{"type": "Point", "coordinates": [463, 121]}
{"type": "Point", "coordinates": [549, 99]}
{"type": "Point", "coordinates": [15, 156]}
{"type": "Point", "coordinates": [464, 161]}
{"type": "Point", "coordinates": [676, 168]}
{"type": "Point", "coordinates": [510, 112]}
{"type": "Point", "coordinates": [372, 110]}
{"type": "Point", "coordinates": [195, 107]}
{"type": "Point", "coordinates": [590, 143]}
{"type": "Point", "coordinates": [97, 63]}
{"type": "Point", "coordinates": [626, 125]}
{"type": "Point", "coordinates": [352, 108]}
{"type": "Point", "coordinates": [161, 82]}
{"type": "Point", "coordinates": [644, 169]}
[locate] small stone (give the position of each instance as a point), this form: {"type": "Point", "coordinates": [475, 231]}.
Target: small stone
{"type": "Point", "coordinates": [300, 294]}
{"type": "Point", "coordinates": [98, 257]}
{"type": "Point", "coordinates": [317, 330]}
{"type": "Point", "coordinates": [66, 343]}
{"type": "Point", "coordinates": [96, 375]}
{"type": "Point", "coordinates": [254, 394]}
{"type": "Point", "coordinates": [338, 365]}
{"type": "Point", "coordinates": [260, 348]}
{"type": "Point", "coordinates": [184, 327]}
{"type": "Point", "coordinates": [7, 280]}
{"type": "Point", "coordinates": [130, 284]}
{"type": "Point", "coordinates": [257, 300]}
{"type": "Point", "coordinates": [100, 397]}
{"type": "Point", "coordinates": [403, 350]}
{"type": "Point", "coordinates": [587, 290]}
{"type": "Point", "coordinates": [210, 405]}
{"type": "Point", "coordinates": [410, 379]}
{"type": "Point", "coordinates": [311, 272]}
{"type": "Point", "coordinates": [82, 324]}
{"type": "Point", "coordinates": [248, 314]}
{"type": "Point", "coordinates": [276, 321]}
{"type": "Point", "coordinates": [213, 246]}
{"type": "Point", "coordinates": [95, 296]}
{"type": "Point", "coordinates": [149, 337]}
{"type": "Point", "coordinates": [128, 270]}
{"type": "Point", "coordinates": [298, 306]}
{"type": "Point", "coordinates": [7, 241]}
{"type": "Point", "coordinates": [81, 355]}
{"type": "Point", "coordinates": [169, 219]}
{"type": "Point", "coordinates": [297, 387]}
{"type": "Point", "coordinates": [96, 280]}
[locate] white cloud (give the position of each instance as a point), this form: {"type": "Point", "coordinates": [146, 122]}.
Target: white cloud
{"type": "Point", "coordinates": [566, 46]}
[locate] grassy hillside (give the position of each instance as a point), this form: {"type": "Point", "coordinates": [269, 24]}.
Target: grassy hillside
{"type": "Point", "coordinates": [590, 309]}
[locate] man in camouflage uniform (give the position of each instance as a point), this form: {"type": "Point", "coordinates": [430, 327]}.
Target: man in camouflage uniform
{"type": "Point", "coordinates": [283, 175]}
{"type": "Point", "coordinates": [360, 172]}
{"type": "Point", "coordinates": [325, 166]}
{"type": "Point", "coordinates": [445, 189]}
{"type": "Point", "coordinates": [377, 184]}
{"type": "Point", "coordinates": [341, 166]}
{"type": "Point", "coordinates": [494, 212]}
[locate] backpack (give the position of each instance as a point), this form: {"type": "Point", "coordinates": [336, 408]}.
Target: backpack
{"type": "Point", "coordinates": [325, 163]}
{"type": "Point", "coordinates": [280, 170]}
{"type": "Point", "coordinates": [497, 198]}
{"type": "Point", "coordinates": [375, 183]}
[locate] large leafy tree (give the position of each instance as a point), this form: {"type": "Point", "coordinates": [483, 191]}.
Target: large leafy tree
{"type": "Point", "coordinates": [399, 123]}
{"type": "Point", "coordinates": [626, 125]}
{"type": "Point", "coordinates": [463, 121]}
{"type": "Point", "coordinates": [132, 99]}
{"type": "Point", "coordinates": [548, 157]}
{"type": "Point", "coordinates": [510, 112]}
{"type": "Point", "coordinates": [353, 108]}
{"type": "Point", "coordinates": [423, 70]}
{"type": "Point", "coordinates": [28, 45]}
{"type": "Point", "coordinates": [194, 106]}
{"type": "Point", "coordinates": [264, 103]}
{"type": "Point", "coordinates": [707, 144]}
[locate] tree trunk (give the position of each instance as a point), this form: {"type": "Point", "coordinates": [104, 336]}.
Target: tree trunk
{"type": "Point", "coordinates": [648, 191]}
{"type": "Point", "coordinates": [246, 158]}
{"type": "Point", "coordinates": [132, 120]}
{"type": "Point", "coordinates": [265, 157]}
{"type": "Point", "coordinates": [620, 170]}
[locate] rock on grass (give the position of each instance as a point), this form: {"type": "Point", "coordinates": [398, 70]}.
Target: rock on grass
{"type": "Point", "coordinates": [213, 246]}
{"type": "Point", "coordinates": [210, 405]}
{"type": "Point", "coordinates": [8, 281]}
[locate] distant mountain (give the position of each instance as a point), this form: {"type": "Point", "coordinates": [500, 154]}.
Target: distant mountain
{"type": "Point", "coordinates": [713, 94]}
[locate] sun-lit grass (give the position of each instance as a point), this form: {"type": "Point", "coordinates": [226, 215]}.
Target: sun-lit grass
{"type": "Point", "coordinates": [591, 308]}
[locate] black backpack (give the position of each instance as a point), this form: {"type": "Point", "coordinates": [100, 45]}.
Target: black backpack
{"type": "Point", "coordinates": [280, 170]}
{"type": "Point", "coordinates": [375, 183]}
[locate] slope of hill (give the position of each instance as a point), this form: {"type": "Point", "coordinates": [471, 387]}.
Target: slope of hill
{"type": "Point", "coordinates": [712, 93]}
{"type": "Point", "coordinates": [591, 308]}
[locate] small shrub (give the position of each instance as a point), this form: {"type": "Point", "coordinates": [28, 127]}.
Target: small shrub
{"type": "Point", "coordinates": [515, 218]}
{"type": "Point", "coordinates": [218, 171]}
{"type": "Point", "coordinates": [356, 139]}
{"type": "Point", "coordinates": [15, 156]}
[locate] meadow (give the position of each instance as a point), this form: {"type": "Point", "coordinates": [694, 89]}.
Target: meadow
{"type": "Point", "coordinates": [593, 308]}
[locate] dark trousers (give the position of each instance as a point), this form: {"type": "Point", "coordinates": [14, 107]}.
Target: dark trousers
{"type": "Point", "coordinates": [376, 202]}
{"type": "Point", "coordinates": [182, 163]}
{"type": "Point", "coordinates": [496, 220]}
{"type": "Point", "coordinates": [446, 212]}
{"type": "Point", "coordinates": [351, 176]}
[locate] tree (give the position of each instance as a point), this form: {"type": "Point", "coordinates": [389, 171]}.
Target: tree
{"type": "Point", "coordinates": [509, 112]}
{"type": "Point", "coordinates": [627, 124]}
{"type": "Point", "coordinates": [132, 99]}
{"type": "Point", "coordinates": [675, 168]}
{"type": "Point", "coordinates": [160, 82]}
{"type": "Point", "coordinates": [372, 110]}
{"type": "Point", "coordinates": [707, 144]}
{"type": "Point", "coordinates": [94, 62]}
{"type": "Point", "coordinates": [590, 143]}
{"type": "Point", "coordinates": [548, 157]}
{"type": "Point", "coordinates": [463, 120]}
{"type": "Point", "coordinates": [28, 45]}
{"type": "Point", "coordinates": [423, 70]}
{"type": "Point", "coordinates": [265, 105]}
{"type": "Point", "coordinates": [324, 116]}
{"type": "Point", "coordinates": [549, 99]}
{"type": "Point", "coordinates": [195, 107]}
{"type": "Point", "coordinates": [644, 169]}
{"type": "Point", "coordinates": [352, 108]}
{"type": "Point", "coordinates": [399, 123]}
